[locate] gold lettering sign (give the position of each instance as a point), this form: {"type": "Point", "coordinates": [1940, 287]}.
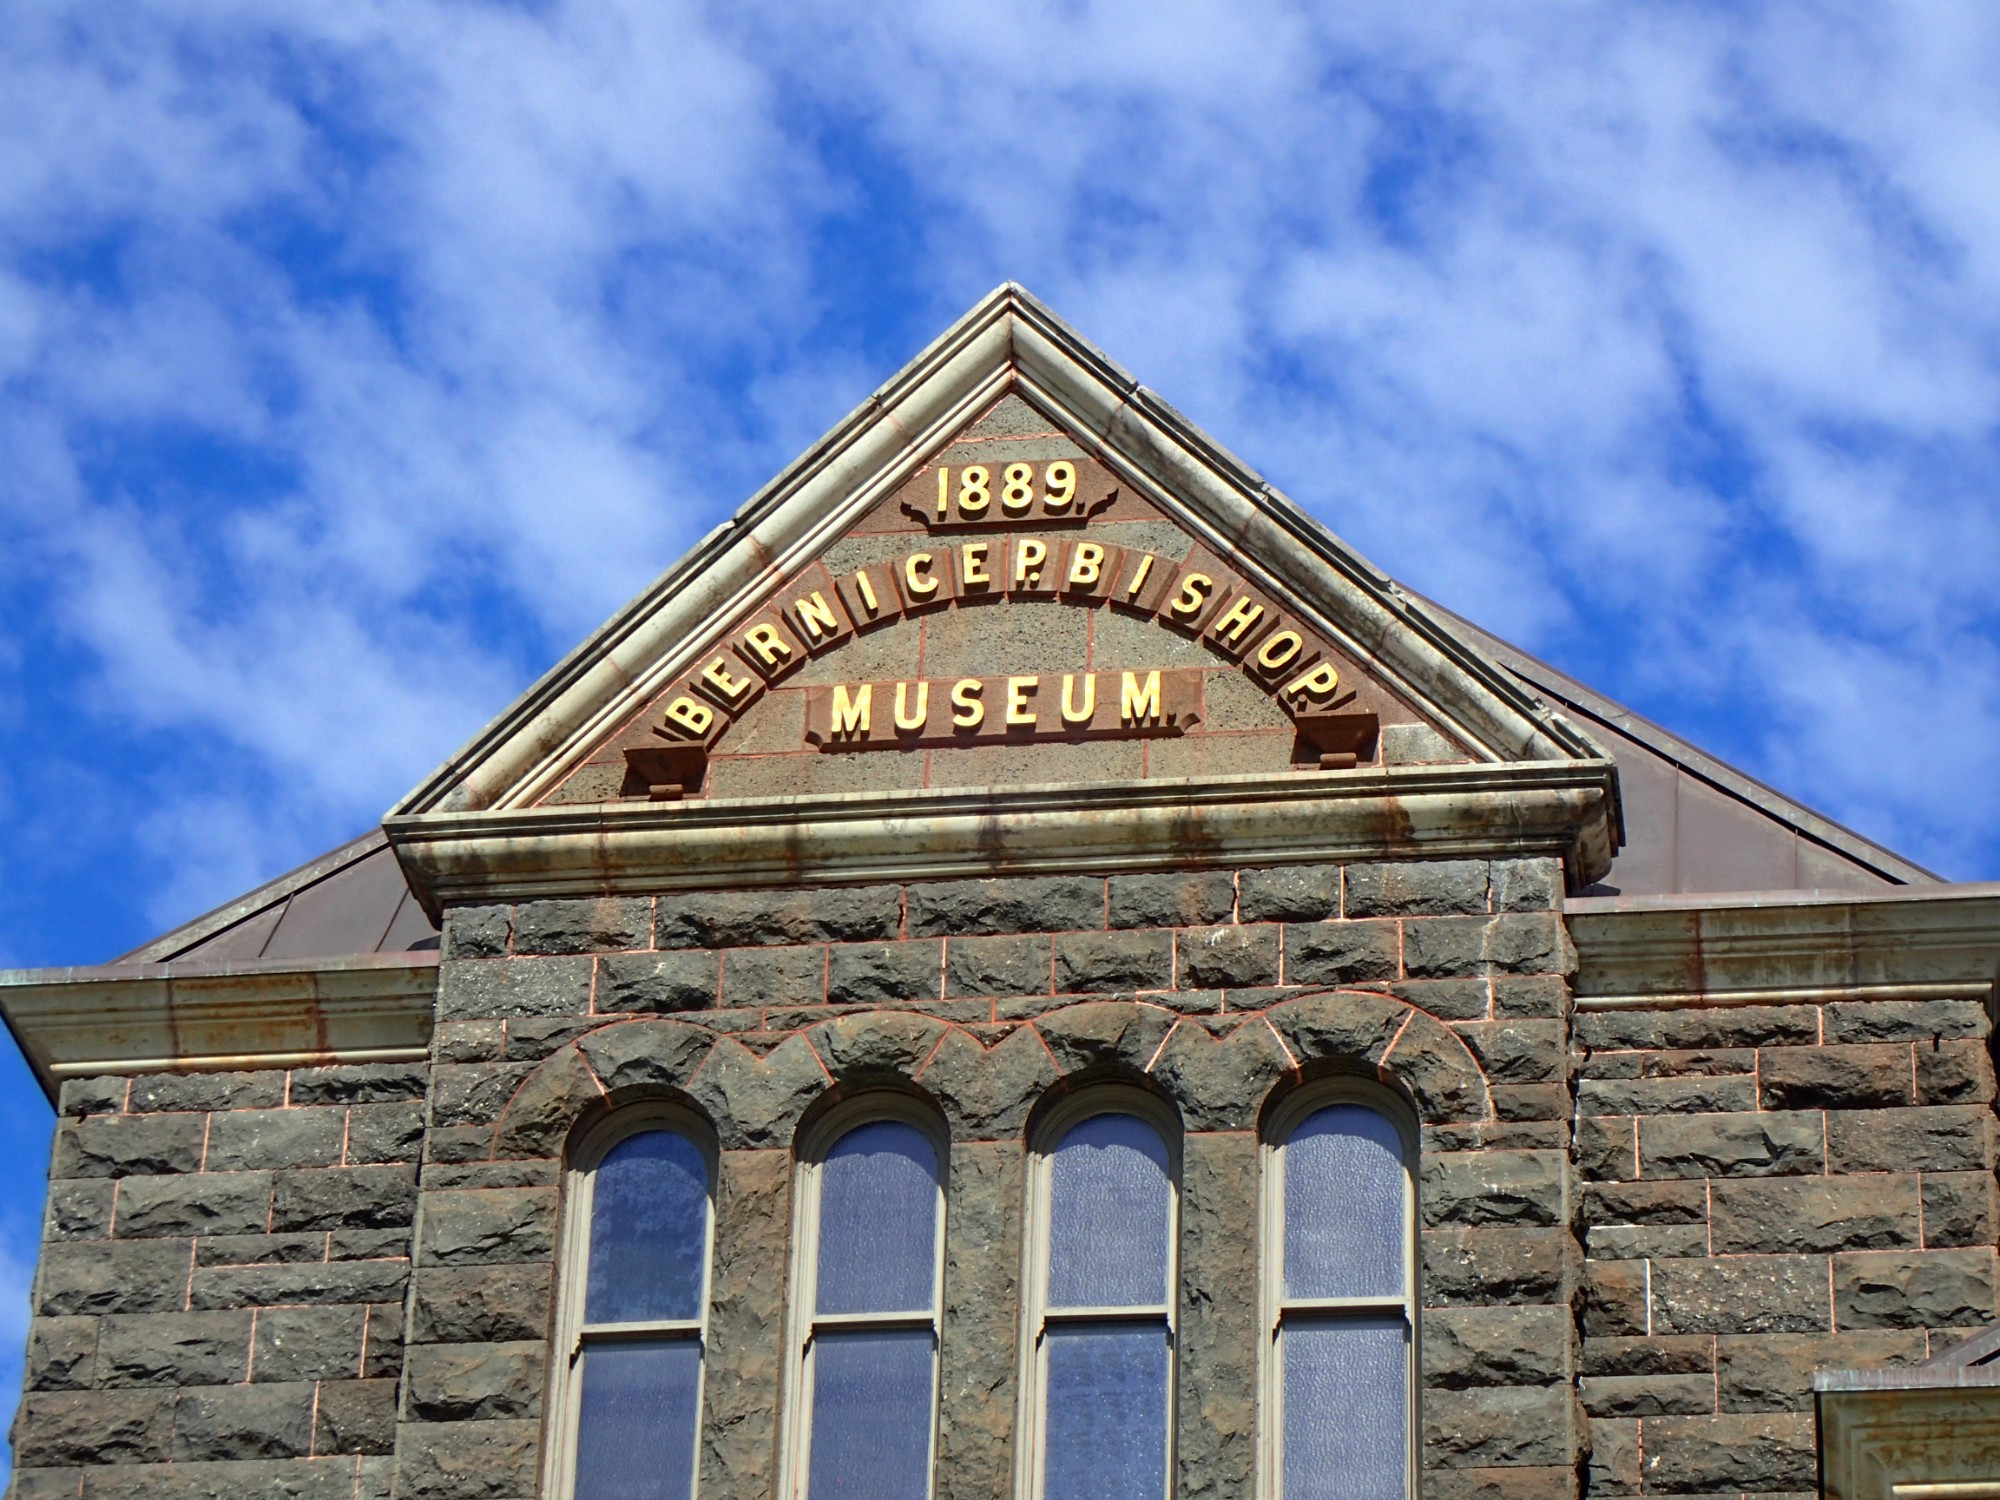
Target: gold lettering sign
{"type": "Point", "coordinates": [999, 710]}
{"type": "Point", "coordinates": [1054, 492]}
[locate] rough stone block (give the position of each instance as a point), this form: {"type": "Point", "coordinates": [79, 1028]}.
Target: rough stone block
{"type": "Point", "coordinates": [1668, 1354]}
{"type": "Point", "coordinates": [474, 1093]}
{"type": "Point", "coordinates": [1527, 884]}
{"type": "Point", "coordinates": [1673, 1202]}
{"type": "Point", "coordinates": [487, 1227]}
{"type": "Point", "coordinates": [92, 1096]}
{"type": "Point", "coordinates": [1500, 1425]}
{"type": "Point", "coordinates": [658, 983]}
{"type": "Point", "coordinates": [885, 973]}
{"type": "Point", "coordinates": [987, 1094]}
{"type": "Point", "coordinates": [477, 1382]}
{"type": "Point", "coordinates": [359, 1083]}
{"type": "Point", "coordinates": [309, 1343]}
{"type": "Point", "coordinates": [958, 908]}
{"type": "Point", "coordinates": [1914, 1289]}
{"type": "Point", "coordinates": [1607, 1148]}
{"type": "Point", "coordinates": [1614, 1457]}
{"type": "Point", "coordinates": [1710, 1026]}
{"type": "Point", "coordinates": [1289, 893]}
{"type": "Point", "coordinates": [1490, 1267]}
{"type": "Point", "coordinates": [1774, 1371]}
{"type": "Point", "coordinates": [248, 1139]}
{"type": "Point", "coordinates": [1959, 1209]}
{"type": "Point", "coordinates": [1647, 1395]}
{"type": "Point", "coordinates": [1172, 900]}
{"type": "Point", "coordinates": [1954, 1073]}
{"type": "Point", "coordinates": [1220, 1084]}
{"type": "Point", "coordinates": [1417, 888]}
{"type": "Point", "coordinates": [1806, 1215]}
{"type": "Point", "coordinates": [1521, 943]}
{"type": "Point", "coordinates": [477, 931]}
{"type": "Point", "coordinates": [1341, 952]}
{"type": "Point", "coordinates": [1835, 1077]}
{"type": "Point", "coordinates": [125, 1145]}
{"type": "Point", "coordinates": [101, 1277]}
{"type": "Point", "coordinates": [592, 925]}
{"type": "Point", "coordinates": [1226, 957]}
{"type": "Point", "coordinates": [480, 1304]}
{"type": "Point", "coordinates": [757, 1101]}
{"type": "Point", "coordinates": [1530, 995]}
{"type": "Point", "coordinates": [266, 1286]}
{"type": "Point", "coordinates": [1614, 1299]}
{"type": "Point", "coordinates": [1472, 1346]}
{"type": "Point", "coordinates": [1660, 1096]}
{"type": "Point", "coordinates": [530, 1039]}
{"type": "Point", "coordinates": [378, 1134]}
{"type": "Point", "coordinates": [1645, 1241]}
{"type": "Point", "coordinates": [1099, 963]}
{"type": "Point", "coordinates": [243, 1421]}
{"type": "Point", "coordinates": [998, 966]}
{"type": "Point", "coordinates": [466, 1460]}
{"type": "Point", "coordinates": [79, 1208]}
{"type": "Point", "coordinates": [1943, 1138]}
{"type": "Point", "coordinates": [62, 1354]}
{"type": "Point", "coordinates": [259, 1249]}
{"type": "Point", "coordinates": [1714, 1455]}
{"type": "Point", "coordinates": [1905, 1020]}
{"type": "Point", "coordinates": [355, 1416]}
{"type": "Point", "coordinates": [174, 1349]}
{"type": "Point", "coordinates": [1732, 1145]}
{"type": "Point", "coordinates": [492, 987]}
{"type": "Point", "coordinates": [1741, 1294]}
{"type": "Point", "coordinates": [201, 1203]}
{"type": "Point", "coordinates": [1516, 1051]}
{"type": "Point", "coordinates": [1520, 1189]}
{"type": "Point", "coordinates": [94, 1427]}
{"type": "Point", "coordinates": [774, 976]}
{"type": "Point", "coordinates": [733, 919]}
{"type": "Point", "coordinates": [1449, 999]}
{"type": "Point", "coordinates": [158, 1092]}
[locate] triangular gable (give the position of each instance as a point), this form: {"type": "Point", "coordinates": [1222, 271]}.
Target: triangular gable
{"type": "Point", "coordinates": [811, 588]}
{"type": "Point", "coordinates": [1012, 567]}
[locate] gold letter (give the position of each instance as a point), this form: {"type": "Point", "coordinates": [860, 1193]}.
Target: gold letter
{"type": "Point", "coordinates": [1018, 689]}
{"type": "Point", "coordinates": [850, 715]}
{"type": "Point", "coordinates": [967, 710]}
{"type": "Point", "coordinates": [1070, 712]}
{"type": "Point", "coordinates": [917, 580]}
{"type": "Point", "coordinates": [716, 675]}
{"type": "Point", "coordinates": [1029, 555]}
{"type": "Point", "coordinates": [867, 591]}
{"type": "Point", "coordinates": [1278, 651]}
{"type": "Point", "coordinates": [1193, 594]}
{"type": "Point", "coordinates": [1241, 616]}
{"type": "Point", "coordinates": [691, 716]}
{"type": "Point", "coordinates": [1139, 578]}
{"type": "Point", "coordinates": [944, 493]}
{"type": "Point", "coordinates": [1136, 704]}
{"type": "Point", "coordinates": [1085, 563]}
{"type": "Point", "coordinates": [974, 570]}
{"type": "Point", "coordinates": [767, 643]}
{"type": "Point", "coordinates": [905, 720]}
{"type": "Point", "coordinates": [817, 617]}
{"type": "Point", "coordinates": [1314, 682]}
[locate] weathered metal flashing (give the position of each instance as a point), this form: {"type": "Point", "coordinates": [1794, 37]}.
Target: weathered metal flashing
{"type": "Point", "coordinates": [142, 1018]}
{"type": "Point", "coordinates": [1786, 947]}
{"type": "Point", "coordinates": [1561, 808]}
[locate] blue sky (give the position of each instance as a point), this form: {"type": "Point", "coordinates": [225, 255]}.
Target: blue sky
{"type": "Point", "coordinates": [358, 358]}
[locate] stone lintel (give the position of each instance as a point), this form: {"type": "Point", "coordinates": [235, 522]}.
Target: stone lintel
{"type": "Point", "coordinates": [144, 1018]}
{"type": "Point", "coordinates": [1564, 809]}
{"type": "Point", "coordinates": [1917, 943]}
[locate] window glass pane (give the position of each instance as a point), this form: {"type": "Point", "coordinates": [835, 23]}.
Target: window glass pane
{"type": "Point", "coordinates": [871, 1421]}
{"type": "Point", "coordinates": [635, 1437]}
{"type": "Point", "coordinates": [1107, 1412]}
{"type": "Point", "coordinates": [1108, 1209]}
{"type": "Point", "coordinates": [1344, 1205]}
{"type": "Point", "coordinates": [1346, 1418]}
{"type": "Point", "coordinates": [878, 1221]}
{"type": "Point", "coordinates": [648, 1230]}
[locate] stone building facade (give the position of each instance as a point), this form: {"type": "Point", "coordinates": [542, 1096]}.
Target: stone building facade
{"type": "Point", "coordinates": [1700, 1087]}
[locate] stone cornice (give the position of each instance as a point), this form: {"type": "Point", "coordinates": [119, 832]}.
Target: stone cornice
{"type": "Point", "coordinates": [1919, 942]}
{"type": "Point", "coordinates": [1563, 808]}
{"type": "Point", "coordinates": [143, 1018]}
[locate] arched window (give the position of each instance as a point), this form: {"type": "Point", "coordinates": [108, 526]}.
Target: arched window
{"type": "Point", "coordinates": [1340, 1310]}
{"type": "Point", "coordinates": [868, 1279]}
{"type": "Point", "coordinates": [1101, 1301]}
{"type": "Point", "coordinates": [633, 1314]}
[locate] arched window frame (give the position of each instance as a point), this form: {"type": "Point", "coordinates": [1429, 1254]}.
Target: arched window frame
{"type": "Point", "coordinates": [804, 1321]}
{"type": "Point", "coordinates": [573, 1335]}
{"type": "Point", "coordinates": [1283, 1121]}
{"type": "Point", "coordinates": [1057, 1121]}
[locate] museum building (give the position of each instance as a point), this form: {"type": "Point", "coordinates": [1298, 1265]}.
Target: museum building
{"type": "Point", "coordinates": [1024, 967]}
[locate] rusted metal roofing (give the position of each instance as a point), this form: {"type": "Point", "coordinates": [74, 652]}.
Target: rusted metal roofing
{"type": "Point", "coordinates": [1692, 823]}
{"type": "Point", "coordinates": [350, 902]}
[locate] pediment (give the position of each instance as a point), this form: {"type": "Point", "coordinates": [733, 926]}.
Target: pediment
{"type": "Point", "coordinates": [1012, 567]}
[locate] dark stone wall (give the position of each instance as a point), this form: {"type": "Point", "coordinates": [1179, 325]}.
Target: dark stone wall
{"type": "Point", "coordinates": [219, 1307]}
